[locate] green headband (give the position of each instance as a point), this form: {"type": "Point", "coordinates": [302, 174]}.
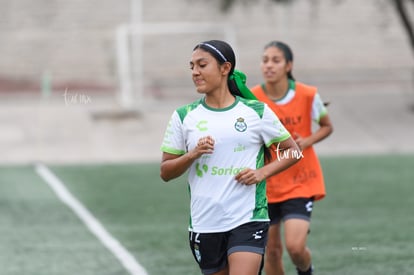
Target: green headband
{"type": "Point", "coordinates": [240, 79]}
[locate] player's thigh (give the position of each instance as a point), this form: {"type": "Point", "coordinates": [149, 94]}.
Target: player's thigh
{"type": "Point", "coordinates": [244, 263]}
{"type": "Point", "coordinates": [296, 233]}
{"type": "Point", "coordinates": [296, 215]}
{"type": "Point", "coordinates": [274, 238]}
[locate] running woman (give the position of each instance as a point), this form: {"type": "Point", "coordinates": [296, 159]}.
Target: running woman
{"type": "Point", "coordinates": [220, 140]}
{"type": "Point", "coordinates": [291, 193]}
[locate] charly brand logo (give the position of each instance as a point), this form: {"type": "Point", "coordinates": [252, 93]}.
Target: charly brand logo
{"type": "Point", "coordinates": [240, 125]}
{"type": "Point", "coordinates": [287, 154]}
{"type": "Point", "coordinates": [202, 125]}
{"type": "Point", "coordinates": [258, 234]}
{"type": "Point", "coordinates": [76, 98]}
{"type": "Point", "coordinates": [309, 206]}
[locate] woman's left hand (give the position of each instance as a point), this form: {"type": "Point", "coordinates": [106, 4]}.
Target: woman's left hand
{"type": "Point", "coordinates": [301, 142]}
{"type": "Point", "coordinates": [249, 176]}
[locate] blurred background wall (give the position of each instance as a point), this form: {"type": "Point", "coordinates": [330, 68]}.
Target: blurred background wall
{"type": "Point", "coordinates": [73, 42]}
{"type": "Point", "coordinates": [61, 82]}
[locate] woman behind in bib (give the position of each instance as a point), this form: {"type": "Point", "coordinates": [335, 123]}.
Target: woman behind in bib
{"type": "Point", "coordinates": [291, 193]}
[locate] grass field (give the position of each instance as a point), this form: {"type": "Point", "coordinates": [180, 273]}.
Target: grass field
{"type": "Point", "coordinates": [364, 226]}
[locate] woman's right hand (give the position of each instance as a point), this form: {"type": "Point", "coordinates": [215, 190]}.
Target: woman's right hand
{"type": "Point", "coordinates": [205, 145]}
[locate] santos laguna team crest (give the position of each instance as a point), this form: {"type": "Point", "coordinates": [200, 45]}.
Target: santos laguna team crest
{"type": "Point", "coordinates": [240, 125]}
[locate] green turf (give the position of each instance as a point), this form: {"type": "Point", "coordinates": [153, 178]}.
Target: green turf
{"type": "Point", "coordinates": [148, 216]}
{"type": "Point", "coordinates": [364, 225]}
{"type": "Point", "coordinates": [39, 235]}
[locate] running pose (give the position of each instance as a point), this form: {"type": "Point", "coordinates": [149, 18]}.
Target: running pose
{"type": "Point", "coordinates": [291, 193]}
{"type": "Point", "coordinates": [220, 140]}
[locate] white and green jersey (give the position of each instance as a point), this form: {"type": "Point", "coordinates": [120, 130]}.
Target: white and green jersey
{"type": "Point", "coordinates": [218, 202]}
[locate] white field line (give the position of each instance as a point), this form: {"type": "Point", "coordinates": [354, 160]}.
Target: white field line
{"type": "Point", "coordinates": [123, 255]}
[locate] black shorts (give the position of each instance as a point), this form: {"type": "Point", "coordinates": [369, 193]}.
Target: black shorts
{"type": "Point", "coordinates": [298, 208]}
{"type": "Point", "coordinates": [210, 250]}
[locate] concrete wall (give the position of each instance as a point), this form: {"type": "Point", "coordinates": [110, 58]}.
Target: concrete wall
{"type": "Point", "coordinates": [74, 41]}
